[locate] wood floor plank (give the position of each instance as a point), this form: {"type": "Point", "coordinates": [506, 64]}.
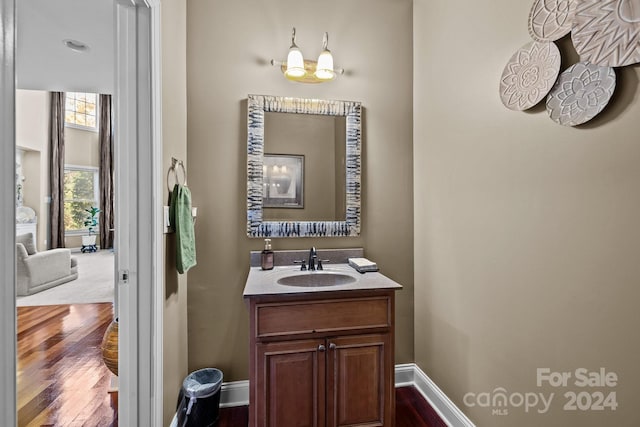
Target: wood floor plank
{"type": "Point", "coordinates": [61, 378]}
{"type": "Point", "coordinates": [42, 419]}
{"type": "Point", "coordinates": [412, 410]}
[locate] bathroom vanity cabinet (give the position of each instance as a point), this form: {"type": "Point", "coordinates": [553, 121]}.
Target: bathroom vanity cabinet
{"type": "Point", "coordinates": [322, 359]}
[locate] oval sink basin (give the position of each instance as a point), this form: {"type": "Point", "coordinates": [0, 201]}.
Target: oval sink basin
{"type": "Point", "coordinates": [316, 279]}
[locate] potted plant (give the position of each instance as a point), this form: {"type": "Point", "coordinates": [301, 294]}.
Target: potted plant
{"type": "Point", "coordinates": [91, 222]}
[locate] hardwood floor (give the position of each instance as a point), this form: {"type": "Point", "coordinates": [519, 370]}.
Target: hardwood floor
{"type": "Point", "coordinates": [412, 410]}
{"type": "Point", "coordinates": [61, 378]}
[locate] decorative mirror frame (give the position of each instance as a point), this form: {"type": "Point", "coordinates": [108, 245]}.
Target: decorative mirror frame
{"type": "Point", "coordinates": [258, 105]}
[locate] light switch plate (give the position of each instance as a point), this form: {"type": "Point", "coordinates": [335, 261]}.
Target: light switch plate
{"type": "Point", "coordinates": [167, 225]}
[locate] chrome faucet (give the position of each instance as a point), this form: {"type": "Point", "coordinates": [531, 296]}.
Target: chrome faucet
{"type": "Point", "coordinates": [313, 256]}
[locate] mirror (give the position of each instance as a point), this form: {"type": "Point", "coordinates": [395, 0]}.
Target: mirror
{"type": "Point", "coordinates": [303, 167]}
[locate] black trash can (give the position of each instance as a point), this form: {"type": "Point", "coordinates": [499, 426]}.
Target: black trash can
{"type": "Point", "coordinates": [199, 399]}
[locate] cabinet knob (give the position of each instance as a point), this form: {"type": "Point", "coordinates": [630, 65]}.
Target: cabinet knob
{"type": "Point", "coordinates": [332, 346]}
{"type": "Point", "coordinates": [321, 347]}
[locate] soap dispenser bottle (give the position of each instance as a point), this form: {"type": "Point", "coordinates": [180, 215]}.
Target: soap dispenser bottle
{"type": "Point", "coordinates": [266, 257]}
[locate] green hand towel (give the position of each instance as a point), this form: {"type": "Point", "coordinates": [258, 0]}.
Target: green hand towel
{"type": "Point", "coordinates": [182, 223]}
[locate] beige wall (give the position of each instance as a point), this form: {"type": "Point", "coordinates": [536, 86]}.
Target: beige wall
{"type": "Point", "coordinates": [174, 136]}
{"type": "Point", "coordinates": [229, 46]}
{"type": "Point", "coordinates": [32, 119]}
{"type": "Point", "coordinates": [32, 135]}
{"type": "Point", "coordinates": [526, 232]}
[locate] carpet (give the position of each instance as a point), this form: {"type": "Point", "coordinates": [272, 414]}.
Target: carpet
{"type": "Point", "coordinates": [95, 283]}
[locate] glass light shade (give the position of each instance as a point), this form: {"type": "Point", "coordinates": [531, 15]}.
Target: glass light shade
{"type": "Point", "coordinates": [324, 68]}
{"type": "Point", "coordinates": [295, 63]}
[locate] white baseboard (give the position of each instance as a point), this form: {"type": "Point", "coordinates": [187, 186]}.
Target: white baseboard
{"type": "Point", "coordinates": [411, 374]}
{"type": "Point", "coordinates": [404, 375]}
{"type": "Point", "coordinates": [237, 394]}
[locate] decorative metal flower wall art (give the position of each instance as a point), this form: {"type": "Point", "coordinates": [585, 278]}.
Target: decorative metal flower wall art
{"type": "Point", "coordinates": [580, 93]}
{"type": "Point", "coordinates": [605, 33]}
{"type": "Point", "coordinates": [529, 75]}
{"type": "Point", "coordinates": [550, 20]}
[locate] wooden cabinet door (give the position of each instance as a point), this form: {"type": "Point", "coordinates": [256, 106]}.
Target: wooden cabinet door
{"type": "Point", "coordinates": [291, 383]}
{"type": "Point", "coordinates": [359, 381]}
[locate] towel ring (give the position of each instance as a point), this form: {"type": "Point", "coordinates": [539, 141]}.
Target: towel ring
{"type": "Point", "coordinates": [175, 162]}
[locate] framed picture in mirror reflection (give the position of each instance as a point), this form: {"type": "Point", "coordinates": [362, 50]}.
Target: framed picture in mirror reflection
{"type": "Point", "coordinates": [283, 181]}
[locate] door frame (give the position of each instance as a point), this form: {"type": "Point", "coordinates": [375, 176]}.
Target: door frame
{"type": "Point", "coordinates": [138, 214]}
{"type": "Point", "coordinates": [7, 214]}
{"type": "Point", "coordinates": [138, 211]}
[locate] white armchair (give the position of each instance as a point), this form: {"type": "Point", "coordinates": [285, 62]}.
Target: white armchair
{"type": "Point", "coordinates": [37, 271]}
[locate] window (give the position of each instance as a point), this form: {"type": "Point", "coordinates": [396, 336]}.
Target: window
{"type": "Point", "coordinates": [81, 191]}
{"type": "Point", "coordinates": [81, 110]}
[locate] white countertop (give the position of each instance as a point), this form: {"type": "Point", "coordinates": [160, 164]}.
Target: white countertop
{"type": "Point", "coordinates": [264, 282]}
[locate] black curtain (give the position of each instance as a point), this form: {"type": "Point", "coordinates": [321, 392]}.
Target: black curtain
{"type": "Point", "coordinates": [56, 170]}
{"type": "Point", "coordinates": [106, 172]}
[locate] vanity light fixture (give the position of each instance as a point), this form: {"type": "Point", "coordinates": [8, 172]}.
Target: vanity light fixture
{"type": "Point", "coordinates": [301, 70]}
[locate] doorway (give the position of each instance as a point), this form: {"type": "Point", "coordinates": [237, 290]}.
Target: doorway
{"type": "Point", "coordinates": [138, 174]}
{"type": "Point", "coordinates": [64, 296]}
{"type": "Point", "coordinates": [88, 274]}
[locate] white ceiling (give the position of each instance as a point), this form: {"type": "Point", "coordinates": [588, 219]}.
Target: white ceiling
{"type": "Point", "coordinates": [43, 62]}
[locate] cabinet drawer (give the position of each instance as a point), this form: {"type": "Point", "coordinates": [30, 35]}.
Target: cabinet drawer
{"type": "Point", "coordinates": [322, 316]}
